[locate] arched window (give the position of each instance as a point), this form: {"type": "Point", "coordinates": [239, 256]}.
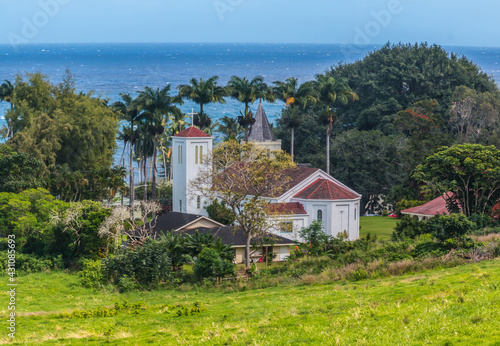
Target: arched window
{"type": "Point", "coordinates": [198, 202]}
{"type": "Point", "coordinates": [196, 155]}
{"type": "Point", "coordinates": [320, 215]}
{"type": "Point", "coordinates": [201, 154]}
{"type": "Point", "coordinates": [180, 205]}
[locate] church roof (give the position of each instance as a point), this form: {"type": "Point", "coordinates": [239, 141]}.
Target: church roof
{"type": "Point", "coordinates": [325, 189]}
{"type": "Point", "coordinates": [291, 208]}
{"type": "Point", "coordinates": [261, 130]}
{"type": "Point", "coordinates": [191, 132]}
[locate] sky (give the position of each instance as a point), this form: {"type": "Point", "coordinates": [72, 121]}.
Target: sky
{"type": "Point", "coordinates": [444, 22]}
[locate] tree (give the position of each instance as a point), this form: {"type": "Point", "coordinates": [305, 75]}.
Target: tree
{"type": "Point", "coordinates": [241, 176]}
{"type": "Point", "coordinates": [471, 172]}
{"type": "Point", "coordinates": [129, 111]}
{"type": "Point", "coordinates": [157, 105]}
{"type": "Point", "coordinates": [20, 171]}
{"type": "Point", "coordinates": [247, 92]}
{"type": "Point", "coordinates": [59, 126]}
{"type": "Point", "coordinates": [394, 77]}
{"type": "Point", "coordinates": [202, 93]}
{"type": "Point", "coordinates": [230, 128]}
{"type": "Point", "coordinates": [332, 91]}
{"type": "Point", "coordinates": [474, 115]}
{"type": "Point", "coordinates": [6, 92]}
{"type": "Point", "coordinates": [220, 213]}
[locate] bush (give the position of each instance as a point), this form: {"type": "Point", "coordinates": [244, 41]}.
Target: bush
{"type": "Point", "coordinates": [210, 264]}
{"type": "Point", "coordinates": [453, 226]}
{"type": "Point", "coordinates": [220, 213]}
{"type": "Point", "coordinates": [147, 264]}
{"type": "Point", "coordinates": [32, 264]}
{"type": "Point", "coordinates": [409, 227]}
{"type": "Point", "coordinates": [91, 275]}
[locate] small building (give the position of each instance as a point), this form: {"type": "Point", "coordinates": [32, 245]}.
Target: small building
{"type": "Point", "coordinates": [429, 209]}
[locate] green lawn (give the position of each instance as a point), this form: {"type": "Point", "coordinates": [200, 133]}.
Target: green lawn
{"type": "Point", "coordinates": [459, 306]}
{"type": "Point", "coordinates": [380, 226]}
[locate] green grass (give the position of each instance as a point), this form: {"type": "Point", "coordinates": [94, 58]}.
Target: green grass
{"type": "Point", "coordinates": [459, 306]}
{"type": "Point", "coordinates": [380, 226]}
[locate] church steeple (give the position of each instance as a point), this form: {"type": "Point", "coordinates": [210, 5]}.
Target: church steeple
{"type": "Point", "coordinates": [261, 134]}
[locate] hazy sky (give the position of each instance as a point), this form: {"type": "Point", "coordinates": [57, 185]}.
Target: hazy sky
{"type": "Point", "coordinates": [445, 22]}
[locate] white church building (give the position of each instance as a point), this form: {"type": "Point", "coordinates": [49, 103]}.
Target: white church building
{"type": "Point", "coordinates": [310, 194]}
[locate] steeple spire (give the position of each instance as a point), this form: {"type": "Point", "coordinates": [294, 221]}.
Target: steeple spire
{"type": "Point", "coordinates": [261, 130]}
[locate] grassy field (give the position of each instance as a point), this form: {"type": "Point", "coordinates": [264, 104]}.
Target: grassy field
{"type": "Point", "coordinates": [380, 226]}
{"type": "Point", "coordinates": [459, 306]}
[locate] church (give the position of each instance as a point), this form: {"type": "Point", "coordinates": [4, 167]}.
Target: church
{"type": "Point", "coordinates": [310, 195]}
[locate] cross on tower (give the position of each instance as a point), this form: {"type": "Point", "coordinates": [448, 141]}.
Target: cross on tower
{"type": "Point", "coordinates": [192, 114]}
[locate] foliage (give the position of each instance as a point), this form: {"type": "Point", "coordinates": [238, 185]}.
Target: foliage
{"type": "Point", "coordinates": [147, 264]}
{"type": "Point", "coordinates": [58, 126]}
{"type": "Point", "coordinates": [220, 213]}
{"type": "Point", "coordinates": [314, 236]}
{"type": "Point", "coordinates": [406, 204]}
{"type": "Point", "coordinates": [470, 172]}
{"type": "Point", "coordinates": [240, 175]}
{"type": "Point", "coordinates": [91, 275]}
{"type": "Point", "coordinates": [409, 227]}
{"type": "Point", "coordinates": [210, 264]}
{"type": "Point", "coordinates": [20, 171]}
{"type": "Point", "coordinates": [27, 263]}
{"type": "Point", "coordinates": [453, 226]}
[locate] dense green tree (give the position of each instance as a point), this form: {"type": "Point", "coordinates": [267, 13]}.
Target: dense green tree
{"type": "Point", "coordinates": [20, 171]}
{"type": "Point", "coordinates": [230, 128]}
{"type": "Point", "coordinates": [247, 92]}
{"type": "Point", "coordinates": [471, 172]}
{"type": "Point", "coordinates": [220, 212]}
{"type": "Point", "coordinates": [59, 126]}
{"type": "Point", "coordinates": [6, 92]}
{"type": "Point", "coordinates": [394, 77]}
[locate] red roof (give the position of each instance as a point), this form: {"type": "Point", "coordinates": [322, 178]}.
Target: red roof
{"type": "Point", "coordinates": [292, 208]}
{"type": "Point", "coordinates": [434, 207]}
{"type": "Point", "coordinates": [325, 189]}
{"type": "Point", "coordinates": [191, 132]}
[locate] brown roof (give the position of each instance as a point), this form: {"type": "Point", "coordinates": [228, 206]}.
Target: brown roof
{"type": "Point", "coordinates": [191, 132]}
{"type": "Point", "coordinates": [325, 189]}
{"type": "Point", "coordinates": [434, 207]}
{"type": "Point", "coordinates": [292, 208]}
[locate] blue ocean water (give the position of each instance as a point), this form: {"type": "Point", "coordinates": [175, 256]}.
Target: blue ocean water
{"type": "Point", "coordinates": [110, 69]}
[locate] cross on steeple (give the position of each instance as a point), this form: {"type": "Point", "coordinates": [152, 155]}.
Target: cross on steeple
{"type": "Point", "coordinates": [192, 114]}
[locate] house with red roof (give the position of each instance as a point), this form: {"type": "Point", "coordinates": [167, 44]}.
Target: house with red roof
{"type": "Point", "coordinates": [425, 211]}
{"type": "Point", "coordinates": [308, 195]}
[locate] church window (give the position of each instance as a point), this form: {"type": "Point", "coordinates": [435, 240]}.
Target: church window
{"type": "Point", "coordinates": [179, 154]}
{"type": "Point", "coordinates": [320, 215]}
{"type": "Point", "coordinates": [198, 202]}
{"type": "Point", "coordinates": [201, 154]}
{"type": "Point", "coordinates": [355, 212]}
{"type": "Point", "coordinates": [180, 205]}
{"type": "Point", "coordinates": [196, 155]}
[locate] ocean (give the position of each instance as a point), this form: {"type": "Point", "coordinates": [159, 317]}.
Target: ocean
{"type": "Point", "coordinates": [111, 69]}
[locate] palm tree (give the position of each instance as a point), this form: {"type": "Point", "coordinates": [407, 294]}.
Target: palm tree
{"type": "Point", "coordinates": [203, 92]}
{"type": "Point", "coordinates": [332, 91]}
{"type": "Point", "coordinates": [247, 92]}
{"type": "Point", "coordinates": [157, 105]}
{"type": "Point", "coordinates": [6, 93]}
{"type": "Point", "coordinates": [129, 111]}
{"type": "Point", "coordinates": [294, 95]}
{"type": "Point", "coordinates": [143, 149]}
{"type": "Point", "coordinates": [230, 128]}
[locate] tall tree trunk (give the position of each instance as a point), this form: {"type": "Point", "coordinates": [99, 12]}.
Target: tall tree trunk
{"type": "Point", "coordinates": [145, 194]}
{"type": "Point", "coordinates": [132, 180]}
{"type": "Point", "coordinates": [155, 173]}
{"type": "Point", "coordinates": [292, 139]}
{"type": "Point", "coordinates": [247, 250]}
{"type": "Point", "coordinates": [328, 134]}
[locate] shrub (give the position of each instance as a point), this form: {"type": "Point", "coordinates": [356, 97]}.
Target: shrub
{"type": "Point", "coordinates": [220, 212]}
{"type": "Point", "coordinates": [26, 263]}
{"type": "Point", "coordinates": [453, 226]}
{"type": "Point", "coordinates": [147, 264]}
{"type": "Point", "coordinates": [210, 264]}
{"type": "Point", "coordinates": [409, 227]}
{"type": "Point", "coordinates": [91, 275]}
